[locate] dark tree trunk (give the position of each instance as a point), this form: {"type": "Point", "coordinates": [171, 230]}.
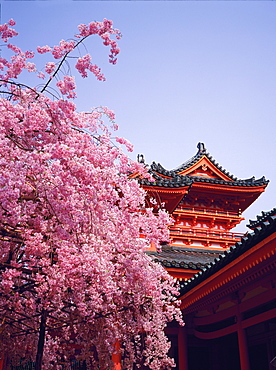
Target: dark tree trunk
{"type": "Point", "coordinates": [41, 340]}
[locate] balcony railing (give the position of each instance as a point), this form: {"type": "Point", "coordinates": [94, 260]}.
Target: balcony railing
{"type": "Point", "coordinates": [209, 211]}
{"type": "Point", "coordinates": [205, 233]}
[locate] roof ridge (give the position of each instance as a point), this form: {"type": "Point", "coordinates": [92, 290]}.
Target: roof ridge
{"type": "Point", "coordinates": [176, 181]}
{"type": "Point", "coordinates": [261, 218]}
{"type": "Point", "coordinates": [247, 241]}
{"type": "Point", "coordinates": [200, 153]}
{"type": "Point", "coordinates": [235, 181]}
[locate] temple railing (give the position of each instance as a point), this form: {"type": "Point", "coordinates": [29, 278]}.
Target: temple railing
{"type": "Point", "coordinates": [205, 233]}
{"type": "Point", "coordinates": [208, 210]}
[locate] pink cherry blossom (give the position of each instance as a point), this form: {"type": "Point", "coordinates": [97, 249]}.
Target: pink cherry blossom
{"type": "Point", "coordinates": [50, 67]}
{"type": "Point", "coordinates": [67, 86]}
{"type": "Point", "coordinates": [63, 48]}
{"type": "Point", "coordinates": [41, 75]}
{"type": "Point", "coordinates": [72, 256]}
{"type": "Point", "coordinates": [14, 48]}
{"type": "Point", "coordinates": [11, 22]}
{"type": "Point", "coordinates": [6, 32]}
{"type": "Point", "coordinates": [43, 49]}
{"type": "Point", "coordinates": [125, 142]}
{"type": "Point", "coordinates": [31, 67]}
{"type": "Point", "coordinates": [84, 64]}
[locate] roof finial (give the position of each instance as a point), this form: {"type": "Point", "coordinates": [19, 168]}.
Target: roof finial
{"type": "Point", "coordinates": [201, 148]}
{"type": "Point", "coordinates": [140, 158]}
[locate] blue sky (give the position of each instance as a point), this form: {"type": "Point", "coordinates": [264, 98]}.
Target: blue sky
{"type": "Point", "coordinates": [188, 71]}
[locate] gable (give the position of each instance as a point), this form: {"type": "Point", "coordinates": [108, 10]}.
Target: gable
{"type": "Point", "coordinates": [205, 168]}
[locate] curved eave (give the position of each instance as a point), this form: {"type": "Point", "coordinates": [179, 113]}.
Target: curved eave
{"type": "Point", "coordinates": [170, 197]}
{"type": "Point", "coordinates": [181, 182]}
{"type": "Point", "coordinates": [239, 184]}
{"type": "Point", "coordinates": [260, 219]}
{"type": "Point", "coordinates": [203, 157]}
{"type": "Point", "coordinates": [164, 189]}
{"type": "Point", "coordinates": [179, 266]}
{"type": "Point", "coordinates": [262, 254]}
{"type": "Point", "coordinates": [183, 259]}
{"type": "Point", "coordinates": [245, 196]}
{"type": "Point", "coordinates": [214, 187]}
{"type": "Point", "coordinates": [253, 249]}
{"type": "Point", "coordinates": [175, 182]}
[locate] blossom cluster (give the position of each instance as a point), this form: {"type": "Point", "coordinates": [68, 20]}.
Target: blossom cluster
{"type": "Point", "coordinates": [58, 51]}
{"type": "Point", "coordinates": [104, 30]}
{"type": "Point", "coordinates": [71, 220]}
{"type": "Point", "coordinates": [84, 64]}
{"type": "Point", "coordinates": [19, 61]}
{"type": "Point", "coordinates": [7, 32]}
{"type": "Point", "coordinates": [125, 142]}
{"type": "Point", "coordinates": [67, 86]}
{"type": "Point", "coordinates": [50, 67]}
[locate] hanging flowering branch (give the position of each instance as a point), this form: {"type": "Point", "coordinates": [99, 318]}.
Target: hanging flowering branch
{"type": "Point", "coordinates": [74, 276]}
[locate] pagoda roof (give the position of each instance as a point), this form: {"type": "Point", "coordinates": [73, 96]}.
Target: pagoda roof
{"type": "Point", "coordinates": [189, 163]}
{"type": "Point", "coordinates": [261, 219]}
{"type": "Point", "coordinates": [200, 174]}
{"type": "Point", "coordinates": [177, 181]}
{"type": "Point", "coordinates": [223, 176]}
{"type": "Point", "coordinates": [173, 182]}
{"type": "Point", "coordinates": [184, 258]}
{"type": "Point", "coordinates": [264, 229]}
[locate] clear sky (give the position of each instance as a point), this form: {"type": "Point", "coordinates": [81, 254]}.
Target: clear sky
{"type": "Point", "coordinates": [188, 72]}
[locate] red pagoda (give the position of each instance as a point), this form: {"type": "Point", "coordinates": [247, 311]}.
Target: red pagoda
{"type": "Point", "coordinates": [206, 203]}
{"type": "Point", "coordinates": [227, 281]}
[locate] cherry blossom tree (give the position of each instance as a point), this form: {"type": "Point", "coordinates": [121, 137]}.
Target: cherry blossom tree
{"type": "Point", "coordinates": [75, 281]}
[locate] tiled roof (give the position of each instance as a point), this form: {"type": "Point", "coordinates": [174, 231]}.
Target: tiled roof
{"type": "Point", "coordinates": [260, 219]}
{"type": "Point", "coordinates": [175, 182]}
{"type": "Point", "coordinates": [157, 168]}
{"type": "Point", "coordinates": [265, 228]}
{"type": "Point", "coordinates": [248, 182]}
{"type": "Point", "coordinates": [179, 181]}
{"type": "Point", "coordinates": [184, 258]}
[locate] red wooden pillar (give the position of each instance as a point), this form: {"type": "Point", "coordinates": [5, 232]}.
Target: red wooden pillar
{"type": "Point", "coordinates": [244, 359]}
{"type": "Point", "coordinates": [116, 357]}
{"type": "Point", "coordinates": [2, 361]}
{"type": "Point", "coordinates": [182, 349]}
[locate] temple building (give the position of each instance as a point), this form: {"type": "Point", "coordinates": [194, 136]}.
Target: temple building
{"type": "Point", "coordinates": [206, 203]}
{"type": "Point", "coordinates": [227, 280]}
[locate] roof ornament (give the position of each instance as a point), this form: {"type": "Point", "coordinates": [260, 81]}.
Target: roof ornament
{"type": "Point", "coordinates": [201, 148]}
{"type": "Point", "coordinates": [140, 158]}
